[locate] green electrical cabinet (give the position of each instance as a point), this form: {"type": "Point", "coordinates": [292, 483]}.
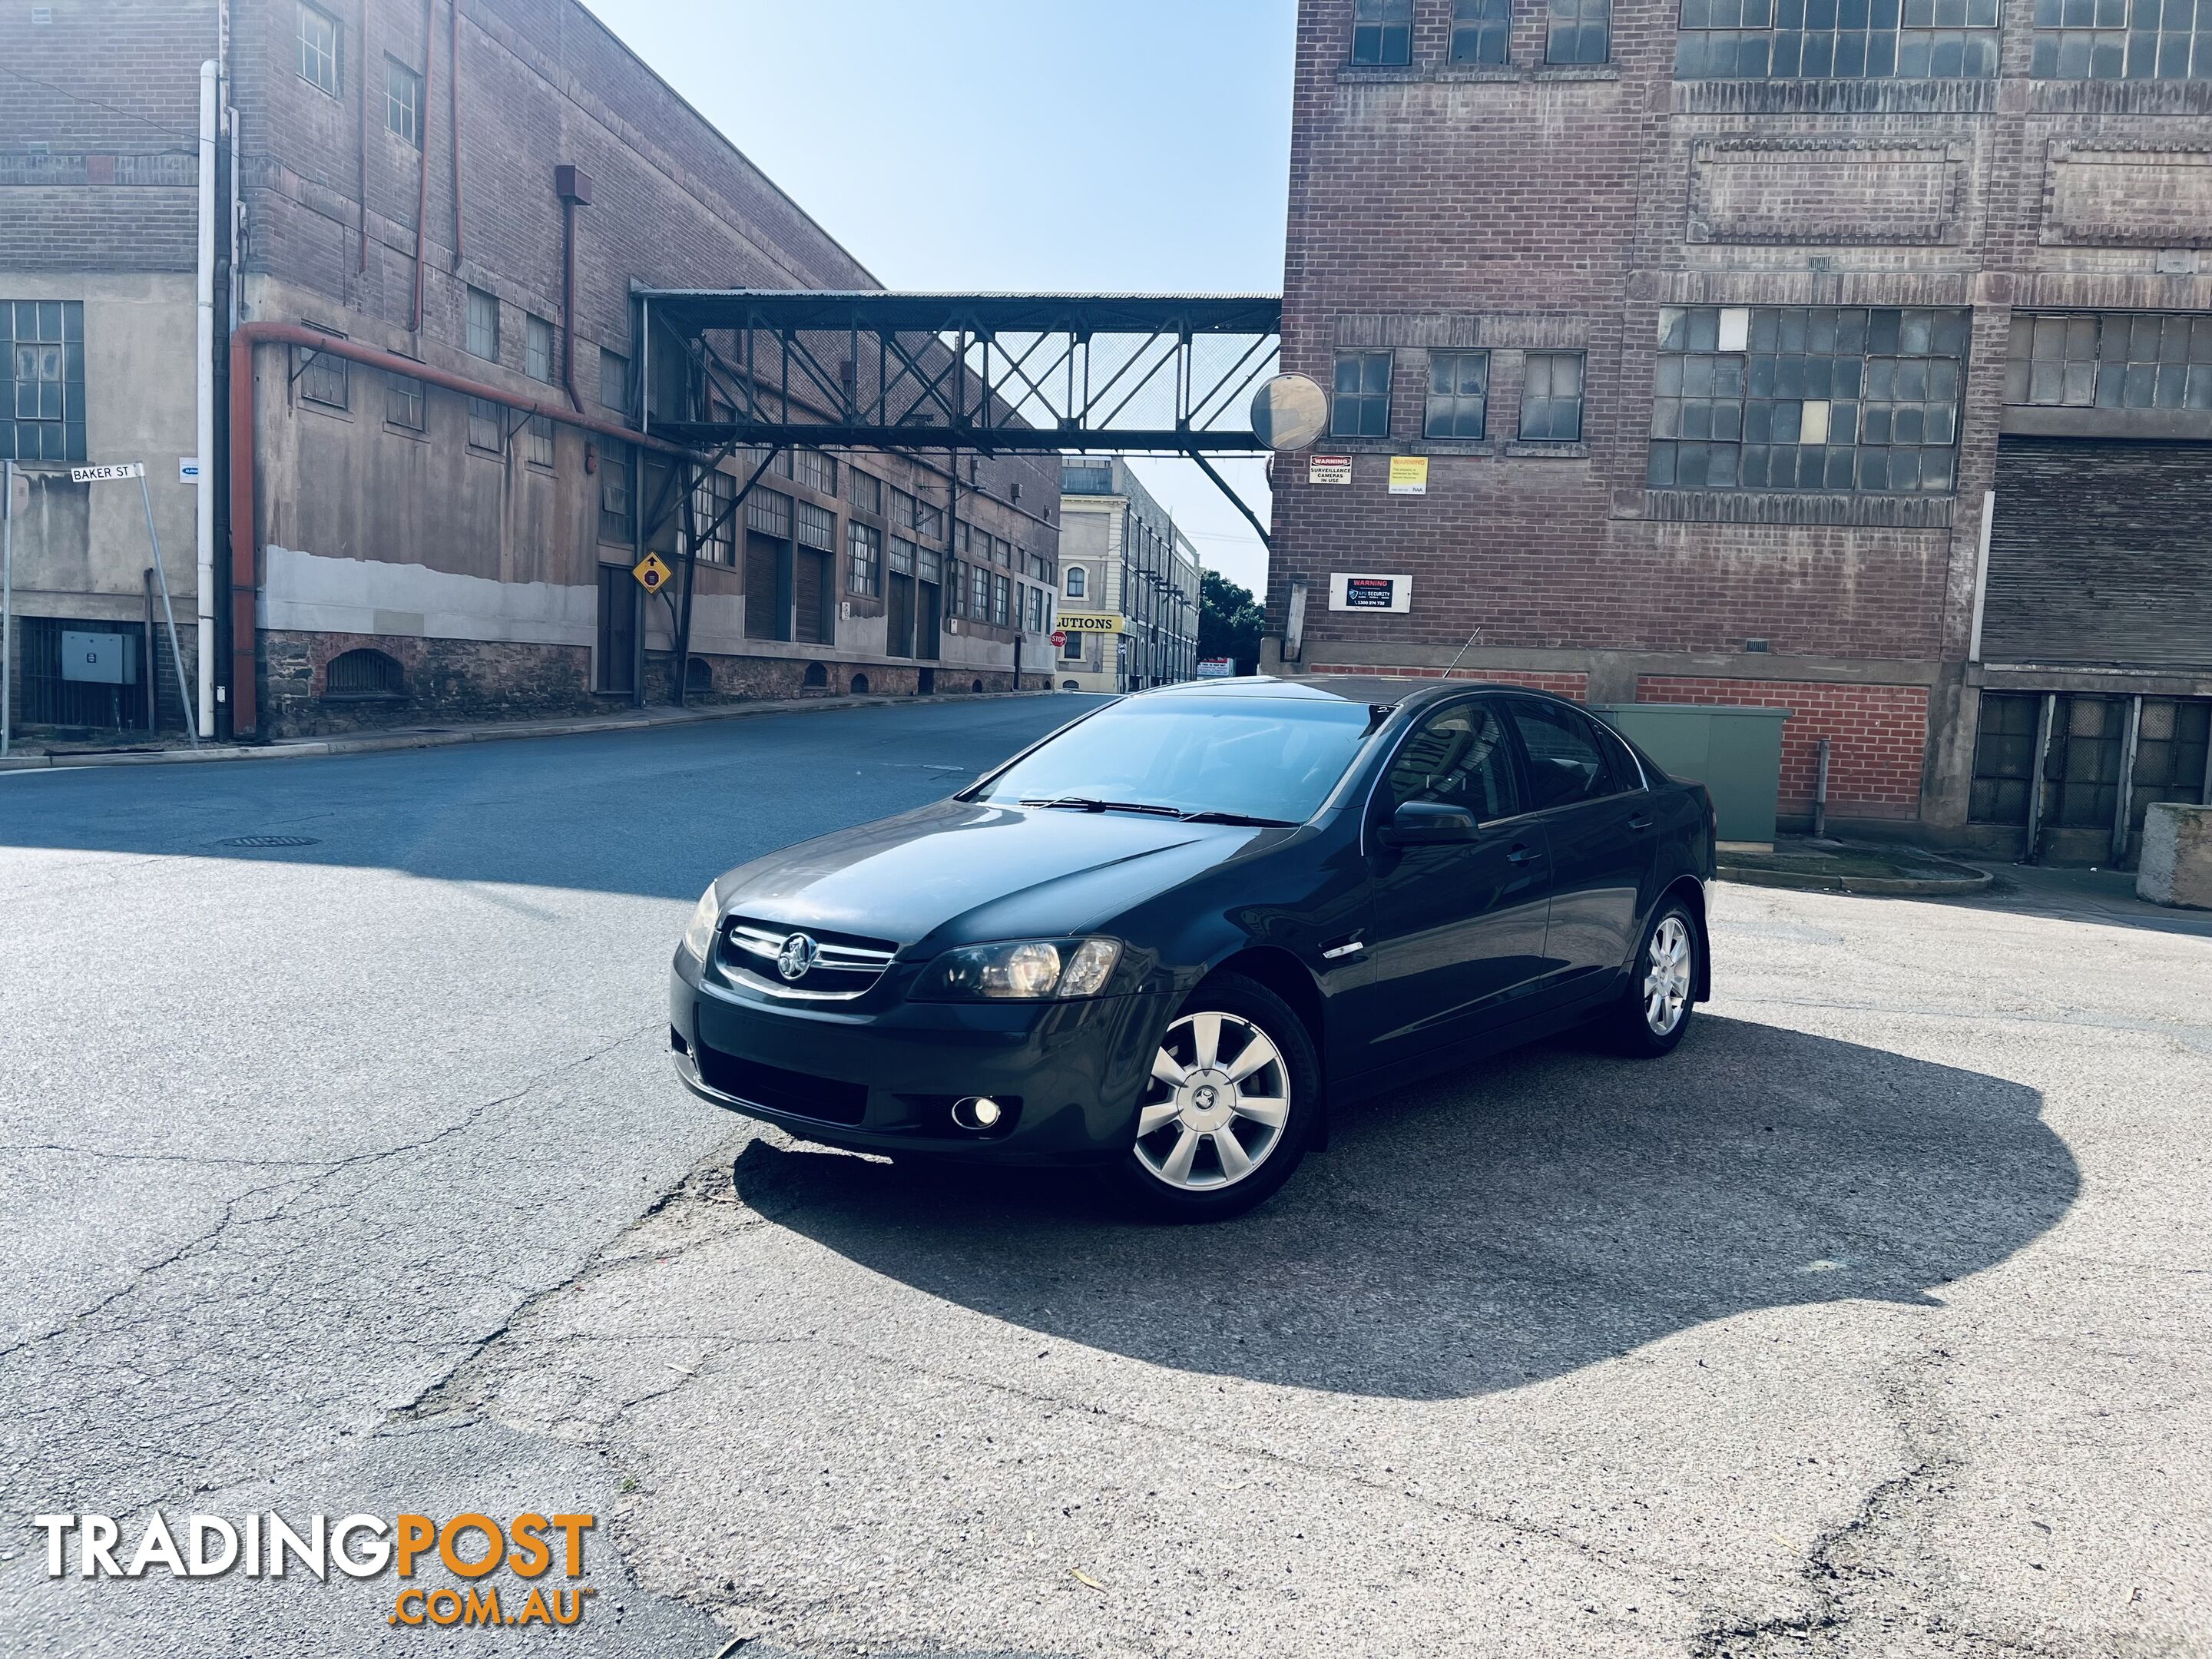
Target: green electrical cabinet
{"type": "Point", "coordinates": [1736, 753]}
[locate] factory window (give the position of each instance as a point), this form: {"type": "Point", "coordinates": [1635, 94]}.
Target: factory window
{"type": "Point", "coordinates": [1551, 397]}
{"type": "Point", "coordinates": [43, 343]}
{"type": "Point", "coordinates": [929, 520]}
{"type": "Point", "coordinates": [538, 434]}
{"type": "Point", "coordinates": [1362, 406]}
{"type": "Point", "coordinates": [2109, 360]}
{"type": "Point", "coordinates": [318, 49]}
{"type": "Point", "coordinates": [817, 472]}
{"type": "Point", "coordinates": [614, 495]}
{"type": "Point", "coordinates": [902, 557]}
{"type": "Point", "coordinates": [865, 559]}
{"type": "Point", "coordinates": [979, 592]}
{"type": "Point", "coordinates": [1076, 581]}
{"type": "Point", "coordinates": [2122, 40]}
{"type": "Point", "coordinates": [714, 517]}
{"type": "Point", "coordinates": [403, 102]}
{"type": "Point", "coordinates": [1459, 394]}
{"type": "Point", "coordinates": [484, 324]}
{"type": "Point", "coordinates": [864, 490]}
{"type": "Point", "coordinates": [1819, 398]}
{"type": "Point", "coordinates": [538, 349]}
{"type": "Point", "coordinates": [487, 426]}
{"type": "Point", "coordinates": [324, 379]}
{"type": "Point", "coordinates": [1038, 622]}
{"type": "Point", "coordinates": [614, 380]}
{"type": "Point", "coordinates": [817, 527]}
{"type": "Point", "coordinates": [1482, 31]}
{"type": "Point", "coordinates": [1839, 39]}
{"type": "Point", "coordinates": [1580, 32]}
{"type": "Point", "coordinates": [1002, 593]}
{"type": "Point", "coordinates": [403, 402]}
{"type": "Point", "coordinates": [1382, 31]}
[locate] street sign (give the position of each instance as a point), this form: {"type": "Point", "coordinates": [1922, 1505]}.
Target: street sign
{"type": "Point", "coordinates": [652, 574]}
{"type": "Point", "coordinates": [1060, 639]}
{"type": "Point", "coordinates": [1330, 470]}
{"type": "Point", "coordinates": [102, 474]}
{"type": "Point", "coordinates": [1409, 475]}
{"type": "Point", "coordinates": [1089, 622]}
{"type": "Point", "coordinates": [1217, 668]}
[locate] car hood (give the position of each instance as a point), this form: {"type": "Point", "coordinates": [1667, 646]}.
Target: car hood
{"type": "Point", "coordinates": [963, 871]}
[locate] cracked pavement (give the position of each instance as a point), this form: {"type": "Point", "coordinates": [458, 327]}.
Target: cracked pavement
{"type": "Point", "coordinates": [1872, 1322]}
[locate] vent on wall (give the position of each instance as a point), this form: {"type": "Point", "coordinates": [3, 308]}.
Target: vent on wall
{"type": "Point", "coordinates": [41, 15]}
{"type": "Point", "coordinates": [365, 672]}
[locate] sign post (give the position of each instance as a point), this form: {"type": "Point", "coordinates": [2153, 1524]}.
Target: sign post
{"type": "Point", "coordinates": [7, 603]}
{"type": "Point", "coordinates": [137, 469]}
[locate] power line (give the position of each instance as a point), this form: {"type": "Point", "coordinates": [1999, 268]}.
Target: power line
{"type": "Point", "coordinates": [113, 109]}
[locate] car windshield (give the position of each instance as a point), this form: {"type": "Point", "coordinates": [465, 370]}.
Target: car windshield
{"type": "Point", "coordinates": [1268, 759]}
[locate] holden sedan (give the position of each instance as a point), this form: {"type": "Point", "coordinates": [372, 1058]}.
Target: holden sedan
{"type": "Point", "coordinates": [1167, 939]}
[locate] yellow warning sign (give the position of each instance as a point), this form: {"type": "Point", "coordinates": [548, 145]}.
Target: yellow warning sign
{"type": "Point", "coordinates": [652, 574]}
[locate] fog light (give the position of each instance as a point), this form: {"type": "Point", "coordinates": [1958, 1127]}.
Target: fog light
{"type": "Point", "coordinates": [976, 1112]}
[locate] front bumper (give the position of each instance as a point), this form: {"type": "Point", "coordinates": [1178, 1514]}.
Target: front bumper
{"type": "Point", "coordinates": [884, 1077]}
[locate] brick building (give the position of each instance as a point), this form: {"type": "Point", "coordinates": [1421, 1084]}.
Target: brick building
{"type": "Point", "coordinates": [412, 180]}
{"type": "Point", "coordinates": [1852, 356]}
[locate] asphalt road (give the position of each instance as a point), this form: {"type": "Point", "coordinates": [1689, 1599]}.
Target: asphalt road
{"type": "Point", "coordinates": [349, 1177]}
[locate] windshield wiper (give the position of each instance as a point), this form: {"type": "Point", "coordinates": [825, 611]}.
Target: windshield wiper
{"type": "Point", "coordinates": [1085, 804]}
{"type": "Point", "coordinates": [1245, 820]}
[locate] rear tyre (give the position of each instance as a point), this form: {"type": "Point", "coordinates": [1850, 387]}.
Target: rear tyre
{"type": "Point", "coordinates": [1233, 1103]}
{"type": "Point", "coordinates": [1655, 1008]}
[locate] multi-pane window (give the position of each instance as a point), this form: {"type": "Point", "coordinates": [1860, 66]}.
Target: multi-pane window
{"type": "Point", "coordinates": [1807, 397]}
{"type": "Point", "coordinates": [324, 378]}
{"type": "Point", "coordinates": [1838, 39]}
{"type": "Point", "coordinates": [978, 591]}
{"type": "Point", "coordinates": [403, 102]}
{"type": "Point", "coordinates": [484, 324]}
{"type": "Point", "coordinates": [1361, 408]}
{"type": "Point", "coordinates": [318, 49]}
{"type": "Point", "coordinates": [44, 343]}
{"type": "Point", "coordinates": [614, 495]}
{"type": "Point", "coordinates": [1037, 623]}
{"type": "Point", "coordinates": [1551, 397]}
{"type": "Point", "coordinates": [2111, 360]}
{"type": "Point", "coordinates": [816, 526]}
{"type": "Point", "coordinates": [929, 520]}
{"type": "Point", "coordinates": [2123, 40]}
{"type": "Point", "coordinates": [2004, 757]}
{"type": "Point", "coordinates": [1459, 394]}
{"type": "Point", "coordinates": [1482, 31]}
{"type": "Point", "coordinates": [402, 401]}
{"type": "Point", "coordinates": [817, 472]}
{"type": "Point", "coordinates": [902, 511]}
{"type": "Point", "coordinates": [864, 558]}
{"type": "Point", "coordinates": [1382, 31]}
{"type": "Point", "coordinates": [1072, 651]}
{"type": "Point", "coordinates": [1002, 593]}
{"type": "Point", "coordinates": [487, 426]}
{"type": "Point", "coordinates": [929, 564]}
{"type": "Point", "coordinates": [1580, 32]}
{"type": "Point", "coordinates": [1076, 580]}
{"type": "Point", "coordinates": [902, 557]}
{"type": "Point", "coordinates": [864, 489]}
{"type": "Point", "coordinates": [538, 349]}
{"type": "Point", "coordinates": [538, 433]}
{"type": "Point", "coordinates": [769, 513]}
{"type": "Point", "coordinates": [714, 520]}
{"type": "Point", "coordinates": [614, 380]}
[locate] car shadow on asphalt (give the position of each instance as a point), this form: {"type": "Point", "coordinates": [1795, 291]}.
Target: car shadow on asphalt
{"type": "Point", "coordinates": [1528, 1216]}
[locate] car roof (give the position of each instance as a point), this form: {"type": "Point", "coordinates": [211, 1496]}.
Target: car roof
{"type": "Point", "coordinates": [1374, 690]}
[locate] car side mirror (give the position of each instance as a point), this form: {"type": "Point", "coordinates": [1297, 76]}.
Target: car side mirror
{"type": "Point", "coordinates": [1428, 824]}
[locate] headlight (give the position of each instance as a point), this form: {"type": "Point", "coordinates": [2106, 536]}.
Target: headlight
{"type": "Point", "coordinates": [1020, 969]}
{"type": "Point", "coordinates": [699, 932]}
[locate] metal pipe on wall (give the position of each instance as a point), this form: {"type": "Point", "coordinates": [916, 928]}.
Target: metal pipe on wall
{"type": "Point", "coordinates": [422, 167]}
{"type": "Point", "coordinates": [453, 115]}
{"type": "Point", "coordinates": [203, 719]}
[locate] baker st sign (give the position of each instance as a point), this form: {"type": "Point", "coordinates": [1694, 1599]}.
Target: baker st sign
{"type": "Point", "coordinates": [1365, 590]}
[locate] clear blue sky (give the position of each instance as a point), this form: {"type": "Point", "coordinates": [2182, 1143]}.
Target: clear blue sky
{"type": "Point", "coordinates": [1025, 144]}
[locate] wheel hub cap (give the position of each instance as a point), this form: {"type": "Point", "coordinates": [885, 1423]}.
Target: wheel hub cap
{"type": "Point", "coordinates": [1667, 971]}
{"type": "Point", "coordinates": [1208, 1102]}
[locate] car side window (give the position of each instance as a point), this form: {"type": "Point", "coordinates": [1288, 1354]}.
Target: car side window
{"type": "Point", "coordinates": [1566, 764]}
{"type": "Point", "coordinates": [1627, 772]}
{"type": "Point", "coordinates": [1459, 756]}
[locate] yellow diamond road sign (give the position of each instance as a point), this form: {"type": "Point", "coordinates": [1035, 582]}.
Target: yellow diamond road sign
{"type": "Point", "coordinates": [652, 574]}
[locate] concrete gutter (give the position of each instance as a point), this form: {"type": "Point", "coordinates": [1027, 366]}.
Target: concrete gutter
{"type": "Point", "coordinates": [370, 743]}
{"type": "Point", "coordinates": [1813, 882]}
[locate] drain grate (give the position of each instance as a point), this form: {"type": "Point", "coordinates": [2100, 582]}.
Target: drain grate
{"type": "Point", "coordinates": [270, 840]}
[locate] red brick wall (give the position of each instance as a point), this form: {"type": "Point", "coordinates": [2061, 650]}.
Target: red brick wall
{"type": "Point", "coordinates": [1576, 686]}
{"type": "Point", "coordinates": [1877, 736]}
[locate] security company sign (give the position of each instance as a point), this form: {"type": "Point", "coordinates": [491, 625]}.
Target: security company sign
{"type": "Point", "coordinates": [1089, 622]}
{"type": "Point", "coordinates": [1409, 475]}
{"type": "Point", "coordinates": [1362, 591]}
{"type": "Point", "coordinates": [652, 574]}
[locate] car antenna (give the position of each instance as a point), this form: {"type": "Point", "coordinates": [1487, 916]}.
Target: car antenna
{"type": "Point", "coordinates": [1463, 650]}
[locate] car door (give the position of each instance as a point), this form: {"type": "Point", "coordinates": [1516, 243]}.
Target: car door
{"type": "Point", "coordinates": [1598, 820]}
{"type": "Point", "coordinates": [1456, 931]}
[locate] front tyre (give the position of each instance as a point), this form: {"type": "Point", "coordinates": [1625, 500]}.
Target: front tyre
{"type": "Point", "coordinates": [1232, 1101]}
{"type": "Point", "coordinates": [1655, 1009]}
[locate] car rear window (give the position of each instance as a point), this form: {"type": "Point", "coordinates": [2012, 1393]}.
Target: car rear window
{"type": "Point", "coordinates": [1265, 757]}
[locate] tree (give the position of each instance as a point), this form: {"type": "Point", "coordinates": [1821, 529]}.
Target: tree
{"type": "Point", "coordinates": [1229, 621]}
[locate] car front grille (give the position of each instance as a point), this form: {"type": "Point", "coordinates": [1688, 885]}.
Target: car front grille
{"type": "Point", "coordinates": [794, 1093]}
{"type": "Point", "coordinates": [838, 967]}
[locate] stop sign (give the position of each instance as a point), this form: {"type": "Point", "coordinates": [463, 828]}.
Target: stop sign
{"type": "Point", "coordinates": [1060, 639]}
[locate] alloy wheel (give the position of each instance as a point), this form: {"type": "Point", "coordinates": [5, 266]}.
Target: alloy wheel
{"type": "Point", "coordinates": [1666, 975]}
{"type": "Point", "coordinates": [1218, 1103]}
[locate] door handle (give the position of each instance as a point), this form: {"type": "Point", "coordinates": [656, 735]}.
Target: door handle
{"type": "Point", "coordinates": [1642, 822]}
{"type": "Point", "coordinates": [1521, 854]}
